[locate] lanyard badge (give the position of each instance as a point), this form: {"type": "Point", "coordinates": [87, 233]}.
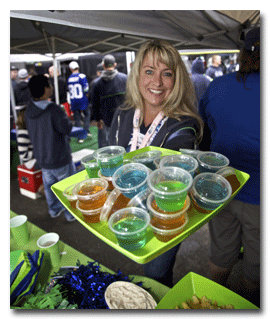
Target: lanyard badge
{"type": "Point", "coordinates": [149, 133]}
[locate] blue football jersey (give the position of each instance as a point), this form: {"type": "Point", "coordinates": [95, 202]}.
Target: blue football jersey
{"type": "Point", "coordinates": [78, 87]}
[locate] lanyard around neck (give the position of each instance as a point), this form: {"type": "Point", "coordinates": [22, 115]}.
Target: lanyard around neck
{"type": "Point", "coordinates": [149, 133]}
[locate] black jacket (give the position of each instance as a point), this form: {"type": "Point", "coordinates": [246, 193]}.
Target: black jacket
{"type": "Point", "coordinates": [107, 94]}
{"type": "Point", "coordinates": [173, 135]}
{"type": "Point", "coordinates": [49, 134]}
{"type": "Point", "coordinates": [21, 93]}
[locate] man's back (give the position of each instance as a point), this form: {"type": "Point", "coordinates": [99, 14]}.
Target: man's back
{"type": "Point", "coordinates": [108, 93]}
{"type": "Point", "coordinates": [78, 87]}
{"type": "Point", "coordinates": [48, 129]}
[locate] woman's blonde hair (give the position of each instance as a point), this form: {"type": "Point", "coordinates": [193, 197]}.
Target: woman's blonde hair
{"type": "Point", "coordinates": [182, 99]}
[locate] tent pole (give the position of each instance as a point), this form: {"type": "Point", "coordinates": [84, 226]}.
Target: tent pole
{"type": "Point", "coordinates": [12, 99]}
{"type": "Point", "coordinates": [55, 75]}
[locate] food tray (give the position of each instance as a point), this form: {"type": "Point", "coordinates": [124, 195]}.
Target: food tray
{"type": "Point", "coordinates": [153, 247]}
{"type": "Point", "coordinates": [195, 284]}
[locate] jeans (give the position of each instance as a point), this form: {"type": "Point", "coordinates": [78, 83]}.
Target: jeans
{"type": "Point", "coordinates": [103, 136]}
{"type": "Point", "coordinates": [161, 268]}
{"type": "Point", "coordinates": [50, 177]}
{"type": "Point", "coordinates": [86, 120]}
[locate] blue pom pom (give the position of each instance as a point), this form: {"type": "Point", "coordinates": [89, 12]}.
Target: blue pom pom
{"type": "Point", "coordinates": [86, 285]}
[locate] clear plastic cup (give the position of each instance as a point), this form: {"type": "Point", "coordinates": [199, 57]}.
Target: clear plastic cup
{"type": "Point", "coordinates": [186, 162]}
{"type": "Point", "coordinates": [193, 153]}
{"type": "Point", "coordinates": [108, 179]}
{"type": "Point", "coordinates": [91, 165]}
{"type": "Point", "coordinates": [229, 173]}
{"type": "Point", "coordinates": [170, 186]}
{"type": "Point", "coordinates": [211, 162]}
{"type": "Point", "coordinates": [209, 190]}
{"type": "Point", "coordinates": [115, 201]}
{"type": "Point", "coordinates": [147, 158]}
{"type": "Point", "coordinates": [91, 193]}
{"type": "Point", "coordinates": [131, 179]}
{"type": "Point", "coordinates": [165, 235]}
{"type": "Point", "coordinates": [130, 227]}
{"type": "Point", "coordinates": [69, 194]}
{"type": "Point", "coordinates": [109, 159]}
{"type": "Point", "coordinates": [158, 160]}
{"type": "Point", "coordinates": [90, 216]}
{"type": "Point", "coordinates": [140, 200]}
{"type": "Point", "coordinates": [162, 219]}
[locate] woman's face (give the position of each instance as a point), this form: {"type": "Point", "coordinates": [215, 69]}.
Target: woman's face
{"type": "Point", "coordinates": [156, 82]}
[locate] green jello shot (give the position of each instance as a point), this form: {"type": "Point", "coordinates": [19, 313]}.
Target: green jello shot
{"type": "Point", "coordinates": [91, 166]}
{"type": "Point", "coordinates": [170, 186]}
{"type": "Point", "coordinates": [171, 202]}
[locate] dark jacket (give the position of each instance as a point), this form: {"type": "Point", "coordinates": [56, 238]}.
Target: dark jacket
{"type": "Point", "coordinates": [108, 93]}
{"type": "Point", "coordinates": [62, 88]}
{"type": "Point", "coordinates": [199, 79]}
{"type": "Point", "coordinates": [173, 134]}
{"type": "Point", "coordinates": [48, 131]}
{"type": "Point", "coordinates": [21, 93]}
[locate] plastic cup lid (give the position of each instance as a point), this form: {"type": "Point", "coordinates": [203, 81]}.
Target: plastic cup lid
{"type": "Point", "coordinates": [104, 214]}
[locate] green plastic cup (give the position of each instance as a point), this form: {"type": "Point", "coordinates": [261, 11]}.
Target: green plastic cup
{"type": "Point", "coordinates": [19, 230]}
{"type": "Point", "coordinates": [49, 244]}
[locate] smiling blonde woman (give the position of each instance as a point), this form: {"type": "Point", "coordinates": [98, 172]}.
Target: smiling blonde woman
{"type": "Point", "coordinates": [160, 105]}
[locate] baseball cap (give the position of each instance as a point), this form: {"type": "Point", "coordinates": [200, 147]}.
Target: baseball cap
{"type": "Point", "coordinates": [100, 67]}
{"type": "Point", "coordinates": [22, 74]}
{"type": "Point", "coordinates": [73, 65]}
{"type": "Point", "coordinates": [252, 40]}
{"type": "Point", "coordinates": [108, 60]}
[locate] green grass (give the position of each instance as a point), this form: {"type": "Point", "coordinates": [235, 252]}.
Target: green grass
{"type": "Point", "coordinates": [90, 143]}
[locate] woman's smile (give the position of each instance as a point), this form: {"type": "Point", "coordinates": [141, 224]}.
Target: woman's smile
{"type": "Point", "coordinates": [156, 82]}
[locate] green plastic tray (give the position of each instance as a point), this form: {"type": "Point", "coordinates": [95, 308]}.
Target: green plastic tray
{"type": "Point", "coordinates": [153, 247]}
{"type": "Point", "coordinates": [195, 284]}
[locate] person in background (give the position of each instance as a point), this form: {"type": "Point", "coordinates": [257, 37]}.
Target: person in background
{"type": "Point", "coordinates": [107, 94]}
{"type": "Point", "coordinates": [233, 66]}
{"type": "Point", "coordinates": [215, 69]}
{"type": "Point", "coordinates": [198, 77]}
{"type": "Point", "coordinates": [14, 75]}
{"type": "Point", "coordinates": [98, 74]}
{"type": "Point", "coordinates": [78, 89]}
{"type": "Point", "coordinates": [21, 90]}
{"type": "Point", "coordinates": [159, 110]}
{"type": "Point", "coordinates": [24, 144]}
{"type": "Point", "coordinates": [62, 87]}
{"type": "Point", "coordinates": [230, 109]}
{"type": "Point", "coordinates": [49, 128]}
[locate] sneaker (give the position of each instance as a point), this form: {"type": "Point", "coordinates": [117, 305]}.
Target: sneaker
{"type": "Point", "coordinates": [58, 214]}
{"type": "Point", "coordinates": [80, 141]}
{"type": "Point", "coordinates": [71, 219]}
{"type": "Point", "coordinates": [89, 135]}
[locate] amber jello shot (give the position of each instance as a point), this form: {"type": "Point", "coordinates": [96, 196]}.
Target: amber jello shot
{"type": "Point", "coordinates": [91, 193]}
{"type": "Point", "coordinates": [69, 194]}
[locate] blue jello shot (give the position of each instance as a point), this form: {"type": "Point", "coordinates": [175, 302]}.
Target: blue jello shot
{"type": "Point", "coordinates": [148, 158]}
{"type": "Point", "coordinates": [211, 162]}
{"type": "Point", "coordinates": [186, 162]}
{"type": "Point", "coordinates": [131, 179]}
{"type": "Point", "coordinates": [209, 190]}
{"type": "Point", "coordinates": [130, 227]}
{"type": "Point", "coordinates": [109, 159]}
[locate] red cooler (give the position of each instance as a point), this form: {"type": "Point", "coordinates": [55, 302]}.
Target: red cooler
{"type": "Point", "coordinates": [29, 181]}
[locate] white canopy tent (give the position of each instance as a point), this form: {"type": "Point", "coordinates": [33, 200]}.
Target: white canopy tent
{"type": "Point", "coordinates": [80, 31]}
